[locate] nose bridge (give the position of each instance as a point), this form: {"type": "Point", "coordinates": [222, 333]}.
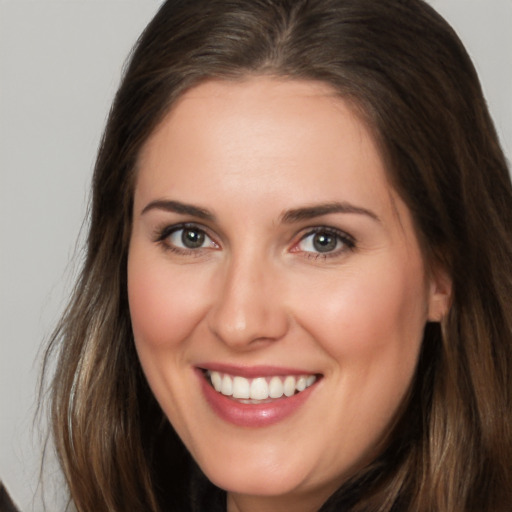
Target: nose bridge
{"type": "Point", "coordinates": [250, 305]}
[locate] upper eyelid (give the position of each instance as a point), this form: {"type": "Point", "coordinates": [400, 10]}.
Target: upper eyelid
{"type": "Point", "coordinates": [162, 234]}
{"type": "Point", "coordinates": [328, 229]}
{"type": "Point", "coordinates": [348, 241]}
{"type": "Point", "coordinates": [165, 230]}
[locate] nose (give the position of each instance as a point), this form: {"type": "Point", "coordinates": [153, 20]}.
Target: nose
{"type": "Point", "coordinates": [249, 309]}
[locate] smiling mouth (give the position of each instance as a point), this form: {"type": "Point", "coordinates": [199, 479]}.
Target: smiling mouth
{"type": "Point", "coordinates": [260, 389]}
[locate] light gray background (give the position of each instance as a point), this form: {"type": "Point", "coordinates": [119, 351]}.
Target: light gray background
{"type": "Point", "coordinates": [60, 62]}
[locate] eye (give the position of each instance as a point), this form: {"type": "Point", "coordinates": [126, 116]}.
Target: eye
{"type": "Point", "coordinates": [185, 238]}
{"type": "Point", "coordinates": [189, 238]}
{"type": "Point", "coordinates": [325, 241]}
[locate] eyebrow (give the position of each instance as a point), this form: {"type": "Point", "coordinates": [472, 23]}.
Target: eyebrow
{"type": "Point", "coordinates": [310, 212]}
{"type": "Point", "coordinates": [178, 207]}
{"type": "Point", "coordinates": [288, 217]}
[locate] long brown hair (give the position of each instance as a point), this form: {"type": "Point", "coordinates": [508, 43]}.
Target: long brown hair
{"type": "Point", "coordinates": [404, 69]}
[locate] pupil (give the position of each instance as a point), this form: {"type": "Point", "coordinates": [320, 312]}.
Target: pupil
{"type": "Point", "coordinates": [192, 238]}
{"type": "Point", "coordinates": [324, 242]}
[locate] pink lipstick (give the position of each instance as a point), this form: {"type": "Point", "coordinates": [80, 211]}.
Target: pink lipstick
{"type": "Point", "coordinates": [255, 396]}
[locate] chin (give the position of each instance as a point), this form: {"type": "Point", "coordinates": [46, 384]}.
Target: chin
{"type": "Point", "coordinates": [265, 479]}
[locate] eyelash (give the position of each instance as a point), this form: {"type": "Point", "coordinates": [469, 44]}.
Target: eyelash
{"type": "Point", "coordinates": [163, 234]}
{"type": "Point", "coordinates": [347, 241]}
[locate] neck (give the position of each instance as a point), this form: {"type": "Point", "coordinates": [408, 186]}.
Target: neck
{"type": "Point", "coordinates": [300, 503]}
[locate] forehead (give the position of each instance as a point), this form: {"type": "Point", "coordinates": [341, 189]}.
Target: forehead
{"type": "Point", "coordinates": [261, 124]}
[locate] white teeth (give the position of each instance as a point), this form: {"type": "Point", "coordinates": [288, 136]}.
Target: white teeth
{"type": "Point", "coordinates": [227, 386]}
{"type": "Point", "coordinates": [260, 388]}
{"type": "Point", "coordinates": [241, 388]}
{"type": "Point", "coordinates": [289, 386]}
{"type": "Point", "coordinates": [276, 388]}
{"type": "Point", "coordinates": [216, 380]}
{"type": "Point", "coordinates": [301, 384]}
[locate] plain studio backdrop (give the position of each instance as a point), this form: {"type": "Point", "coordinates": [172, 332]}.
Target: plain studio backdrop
{"type": "Point", "coordinates": [60, 63]}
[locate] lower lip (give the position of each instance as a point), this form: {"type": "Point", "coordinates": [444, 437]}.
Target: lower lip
{"type": "Point", "coordinates": [252, 415]}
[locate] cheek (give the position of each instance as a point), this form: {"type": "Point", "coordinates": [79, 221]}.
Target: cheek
{"type": "Point", "coordinates": [371, 325]}
{"type": "Point", "coordinates": [376, 313]}
{"type": "Point", "coordinates": [164, 305]}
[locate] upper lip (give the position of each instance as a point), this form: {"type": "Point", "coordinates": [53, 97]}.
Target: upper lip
{"type": "Point", "coordinates": [250, 372]}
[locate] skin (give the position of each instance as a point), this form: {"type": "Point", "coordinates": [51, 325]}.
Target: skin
{"type": "Point", "coordinates": [258, 292]}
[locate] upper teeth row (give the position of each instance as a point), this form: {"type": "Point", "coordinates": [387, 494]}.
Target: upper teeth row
{"type": "Point", "coordinates": [260, 388]}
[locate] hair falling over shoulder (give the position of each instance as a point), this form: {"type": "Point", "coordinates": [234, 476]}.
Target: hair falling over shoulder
{"type": "Point", "coordinates": [407, 73]}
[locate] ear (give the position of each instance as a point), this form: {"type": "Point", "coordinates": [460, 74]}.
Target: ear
{"type": "Point", "coordinates": [440, 295]}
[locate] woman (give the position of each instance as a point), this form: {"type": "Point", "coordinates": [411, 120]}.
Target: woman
{"type": "Point", "coordinates": [297, 290]}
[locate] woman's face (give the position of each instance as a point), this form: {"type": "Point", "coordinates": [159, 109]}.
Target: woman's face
{"type": "Point", "coordinates": [277, 290]}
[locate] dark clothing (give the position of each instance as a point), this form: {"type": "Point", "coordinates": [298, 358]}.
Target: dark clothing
{"type": "Point", "coordinates": [6, 503]}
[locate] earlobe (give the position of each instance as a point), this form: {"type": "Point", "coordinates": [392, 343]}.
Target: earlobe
{"type": "Point", "coordinates": [440, 295]}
